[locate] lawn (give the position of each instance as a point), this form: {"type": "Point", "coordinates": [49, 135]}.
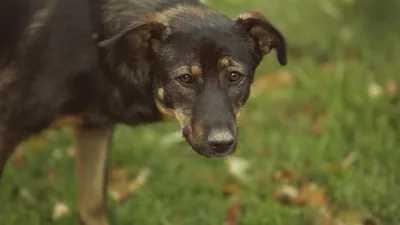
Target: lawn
{"type": "Point", "coordinates": [319, 140]}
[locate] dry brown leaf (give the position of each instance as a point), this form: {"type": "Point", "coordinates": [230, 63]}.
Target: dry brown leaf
{"type": "Point", "coordinates": [121, 187]}
{"type": "Point", "coordinates": [391, 88]}
{"type": "Point", "coordinates": [286, 194]}
{"type": "Point", "coordinates": [374, 90]}
{"type": "Point", "coordinates": [313, 195]}
{"type": "Point", "coordinates": [234, 213]}
{"type": "Point", "coordinates": [231, 189]}
{"type": "Point", "coordinates": [237, 167]}
{"type": "Point", "coordinates": [283, 175]}
{"type": "Point", "coordinates": [60, 210]}
{"type": "Point", "coordinates": [20, 157]}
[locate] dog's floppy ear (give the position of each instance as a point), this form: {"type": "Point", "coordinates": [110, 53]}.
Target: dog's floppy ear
{"type": "Point", "coordinates": [265, 35]}
{"type": "Point", "coordinates": [151, 33]}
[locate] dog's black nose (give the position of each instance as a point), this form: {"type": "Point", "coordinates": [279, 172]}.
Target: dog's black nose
{"type": "Point", "coordinates": [221, 140]}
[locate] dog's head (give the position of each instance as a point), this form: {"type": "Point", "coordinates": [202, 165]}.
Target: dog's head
{"type": "Point", "coordinates": [203, 67]}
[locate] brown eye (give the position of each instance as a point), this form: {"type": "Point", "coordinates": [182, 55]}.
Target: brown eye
{"type": "Point", "coordinates": [186, 78]}
{"type": "Point", "coordinates": [234, 76]}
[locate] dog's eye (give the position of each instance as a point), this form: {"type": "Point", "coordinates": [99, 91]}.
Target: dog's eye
{"type": "Point", "coordinates": [186, 78]}
{"type": "Point", "coordinates": [234, 76]}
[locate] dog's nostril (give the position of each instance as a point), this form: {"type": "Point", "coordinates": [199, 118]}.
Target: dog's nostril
{"type": "Point", "coordinates": [220, 140]}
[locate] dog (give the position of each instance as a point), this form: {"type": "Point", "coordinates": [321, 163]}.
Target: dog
{"type": "Point", "coordinates": [101, 63]}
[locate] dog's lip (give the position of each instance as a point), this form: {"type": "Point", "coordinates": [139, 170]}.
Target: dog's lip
{"type": "Point", "coordinates": [205, 151]}
{"type": "Point", "coordinates": [212, 154]}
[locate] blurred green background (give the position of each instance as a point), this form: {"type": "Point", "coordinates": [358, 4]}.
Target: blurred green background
{"type": "Point", "coordinates": [319, 139]}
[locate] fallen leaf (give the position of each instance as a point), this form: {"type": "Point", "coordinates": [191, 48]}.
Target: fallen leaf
{"type": "Point", "coordinates": [140, 179]}
{"type": "Point", "coordinates": [60, 210]}
{"type": "Point", "coordinates": [121, 187]}
{"type": "Point", "coordinates": [286, 194]}
{"type": "Point", "coordinates": [391, 88]}
{"type": "Point", "coordinates": [237, 167]}
{"type": "Point", "coordinates": [231, 189]}
{"type": "Point", "coordinates": [308, 194]}
{"type": "Point", "coordinates": [234, 213]}
{"type": "Point", "coordinates": [313, 195]}
{"type": "Point", "coordinates": [374, 90]}
{"type": "Point", "coordinates": [20, 157]}
{"type": "Point", "coordinates": [283, 175]}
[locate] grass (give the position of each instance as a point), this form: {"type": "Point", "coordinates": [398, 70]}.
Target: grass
{"type": "Point", "coordinates": [275, 134]}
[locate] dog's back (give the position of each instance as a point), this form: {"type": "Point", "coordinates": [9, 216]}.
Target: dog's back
{"type": "Point", "coordinates": [48, 55]}
{"type": "Point", "coordinates": [45, 48]}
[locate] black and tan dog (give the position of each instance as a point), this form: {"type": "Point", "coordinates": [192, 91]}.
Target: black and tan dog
{"type": "Point", "coordinates": [125, 61]}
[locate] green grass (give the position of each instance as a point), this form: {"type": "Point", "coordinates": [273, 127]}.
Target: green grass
{"type": "Point", "coordinates": [185, 188]}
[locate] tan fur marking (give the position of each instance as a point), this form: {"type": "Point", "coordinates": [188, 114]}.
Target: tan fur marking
{"type": "Point", "coordinates": [237, 116]}
{"type": "Point", "coordinates": [198, 130]}
{"type": "Point", "coordinates": [161, 93]}
{"type": "Point", "coordinates": [158, 17]}
{"type": "Point", "coordinates": [224, 62]}
{"type": "Point", "coordinates": [182, 118]}
{"type": "Point", "coordinates": [250, 15]}
{"type": "Point", "coordinates": [195, 70]}
{"type": "Point", "coordinates": [167, 114]}
{"type": "Point", "coordinates": [67, 121]}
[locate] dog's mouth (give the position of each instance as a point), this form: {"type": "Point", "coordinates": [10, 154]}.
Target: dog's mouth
{"type": "Point", "coordinates": [204, 149]}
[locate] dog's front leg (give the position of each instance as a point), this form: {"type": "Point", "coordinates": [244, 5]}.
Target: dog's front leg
{"type": "Point", "coordinates": [92, 146]}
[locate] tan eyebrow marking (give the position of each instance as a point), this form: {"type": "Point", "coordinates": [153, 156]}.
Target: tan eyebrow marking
{"type": "Point", "coordinates": [161, 93]}
{"type": "Point", "coordinates": [224, 62]}
{"type": "Point", "coordinates": [195, 70]}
